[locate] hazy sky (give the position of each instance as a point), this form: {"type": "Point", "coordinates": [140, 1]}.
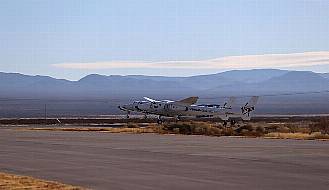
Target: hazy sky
{"type": "Point", "coordinates": [72, 38]}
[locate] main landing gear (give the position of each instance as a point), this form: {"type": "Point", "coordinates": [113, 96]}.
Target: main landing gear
{"type": "Point", "coordinates": [225, 123]}
{"type": "Point", "coordinates": [127, 116]}
{"type": "Point", "coordinates": [177, 118]}
{"type": "Point", "coordinates": [160, 120]}
{"type": "Point", "coordinates": [232, 122]}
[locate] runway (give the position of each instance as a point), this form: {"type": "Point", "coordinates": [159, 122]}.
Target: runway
{"type": "Point", "coordinates": [148, 161]}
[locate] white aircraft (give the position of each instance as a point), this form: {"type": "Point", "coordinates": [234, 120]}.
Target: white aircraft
{"type": "Point", "coordinates": [188, 108]}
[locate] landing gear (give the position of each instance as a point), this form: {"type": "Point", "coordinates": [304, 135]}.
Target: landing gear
{"type": "Point", "coordinates": [232, 123]}
{"type": "Point", "coordinates": [177, 118]}
{"type": "Point", "coordinates": [127, 116]}
{"type": "Point", "coordinates": [159, 121]}
{"type": "Point", "coordinates": [145, 116]}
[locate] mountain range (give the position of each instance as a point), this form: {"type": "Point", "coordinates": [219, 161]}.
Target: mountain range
{"type": "Point", "coordinates": [121, 89]}
{"type": "Point", "coordinates": [238, 82]}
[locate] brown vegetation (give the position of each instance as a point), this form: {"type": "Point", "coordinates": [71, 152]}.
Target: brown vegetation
{"type": "Point", "coordinates": [101, 129]}
{"type": "Point", "coordinates": [321, 126]}
{"type": "Point", "coordinates": [318, 129]}
{"type": "Point", "coordinates": [213, 129]}
{"type": "Point", "coordinates": [295, 130]}
{"type": "Point", "coordinates": [301, 136]}
{"type": "Point", "coordinates": [11, 182]}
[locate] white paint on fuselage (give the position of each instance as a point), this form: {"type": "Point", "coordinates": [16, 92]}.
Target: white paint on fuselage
{"type": "Point", "coordinates": [173, 109]}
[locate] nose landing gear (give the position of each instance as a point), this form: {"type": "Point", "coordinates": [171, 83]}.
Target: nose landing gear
{"type": "Point", "coordinates": [127, 116]}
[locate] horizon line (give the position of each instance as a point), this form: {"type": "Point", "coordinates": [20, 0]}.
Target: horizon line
{"type": "Point", "coordinates": [58, 78]}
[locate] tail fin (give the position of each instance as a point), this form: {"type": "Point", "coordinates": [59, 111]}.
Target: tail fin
{"type": "Point", "coordinates": [189, 101]}
{"type": "Point", "coordinates": [248, 108]}
{"type": "Point", "coordinates": [229, 103]}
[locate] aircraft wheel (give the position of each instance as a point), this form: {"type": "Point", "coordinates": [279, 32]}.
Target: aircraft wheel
{"type": "Point", "coordinates": [159, 120]}
{"type": "Point", "coordinates": [127, 116]}
{"type": "Point", "coordinates": [177, 118]}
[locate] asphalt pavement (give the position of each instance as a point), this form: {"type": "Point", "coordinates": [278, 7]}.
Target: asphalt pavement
{"type": "Point", "coordinates": [100, 160]}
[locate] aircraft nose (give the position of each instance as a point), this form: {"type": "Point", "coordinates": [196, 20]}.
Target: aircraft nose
{"type": "Point", "coordinates": [123, 107]}
{"type": "Point", "coordinates": [127, 106]}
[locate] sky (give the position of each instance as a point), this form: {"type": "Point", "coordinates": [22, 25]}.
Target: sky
{"type": "Point", "coordinates": [73, 38]}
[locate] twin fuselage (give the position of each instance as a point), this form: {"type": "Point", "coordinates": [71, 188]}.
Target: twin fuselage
{"type": "Point", "coordinates": [176, 109]}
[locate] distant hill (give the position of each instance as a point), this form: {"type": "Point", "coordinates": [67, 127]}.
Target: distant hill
{"type": "Point", "coordinates": [99, 94]}
{"type": "Point", "coordinates": [19, 85]}
{"type": "Point", "coordinates": [253, 76]}
{"type": "Point", "coordinates": [239, 82]}
{"type": "Point", "coordinates": [297, 81]}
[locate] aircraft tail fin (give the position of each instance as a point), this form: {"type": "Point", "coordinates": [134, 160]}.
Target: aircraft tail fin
{"type": "Point", "coordinates": [248, 108]}
{"type": "Point", "coordinates": [189, 101]}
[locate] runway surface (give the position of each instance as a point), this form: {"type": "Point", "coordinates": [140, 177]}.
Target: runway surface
{"type": "Point", "coordinates": [149, 161]}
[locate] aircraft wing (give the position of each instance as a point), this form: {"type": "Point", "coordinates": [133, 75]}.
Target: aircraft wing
{"type": "Point", "coordinates": [188, 101]}
{"type": "Point", "coordinates": [150, 99]}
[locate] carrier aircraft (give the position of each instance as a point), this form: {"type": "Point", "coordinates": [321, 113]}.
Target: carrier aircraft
{"type": "Point", "coordinates": [188, 108]}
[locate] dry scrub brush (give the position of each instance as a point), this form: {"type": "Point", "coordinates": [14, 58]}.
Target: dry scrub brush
{"type": "Point", "coordinates": [301, 136]}
{"type": "Point", "coordinates": [10, 181]}
{"type": "Point", "coordinates": [193, 128]}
